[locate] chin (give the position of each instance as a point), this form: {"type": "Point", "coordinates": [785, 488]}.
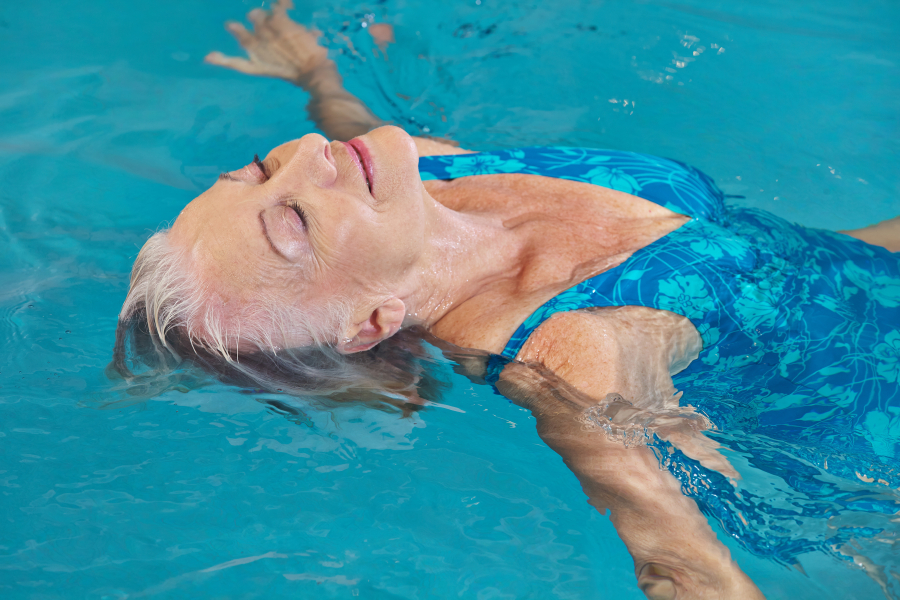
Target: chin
{"type": "Point", "coordinates": [396, 158]}
{"type": "Point", "coordinates": [394, 140]}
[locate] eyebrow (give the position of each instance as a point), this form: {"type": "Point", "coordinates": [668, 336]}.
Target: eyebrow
{"type": "Point", "coordinates": [265, 231]}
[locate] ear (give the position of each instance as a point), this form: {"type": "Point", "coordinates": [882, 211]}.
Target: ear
{"type": "Point", "coordinates": [380, 324]}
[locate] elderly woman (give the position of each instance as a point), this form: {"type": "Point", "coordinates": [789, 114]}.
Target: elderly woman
{"type": "Point", "coordinates": [598, 275]}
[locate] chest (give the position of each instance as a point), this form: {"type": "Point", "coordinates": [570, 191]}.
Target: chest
{"type": "Point", "coordinates": [569, 232]}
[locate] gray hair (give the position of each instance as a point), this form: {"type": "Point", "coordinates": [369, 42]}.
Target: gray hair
{"type": "Point", "coordinates": [170, 316]}
{"type": "Point", "coordinates": [172, 296]}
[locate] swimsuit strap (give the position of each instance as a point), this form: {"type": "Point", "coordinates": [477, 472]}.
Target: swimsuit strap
{"type": "Point", "coordinates": [668, 183]}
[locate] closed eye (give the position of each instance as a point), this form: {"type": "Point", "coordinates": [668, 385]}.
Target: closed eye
{"type": "Point", "coordinates": [257, 172]}
{"type": "Point", "coordinates": [300, 213]}
{"type": "Point", "coordinates": [261, 166]}
{"type": "Point", "coordinates": [266, 168]}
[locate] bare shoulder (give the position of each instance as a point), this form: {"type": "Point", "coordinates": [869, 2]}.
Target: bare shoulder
{"type": "Point", "coordinates": [629, 350]}
{"type": "Point", "coordinates": [438, 147]}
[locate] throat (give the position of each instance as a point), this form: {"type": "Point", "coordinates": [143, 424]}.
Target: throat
{"type": "Point", "coordinates": [469, 255]}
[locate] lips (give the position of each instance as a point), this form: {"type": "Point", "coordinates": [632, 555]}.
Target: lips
{"type": "Point", "coordinates": [363, 159]}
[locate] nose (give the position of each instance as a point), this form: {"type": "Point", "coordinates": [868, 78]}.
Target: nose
{"type": "Point", "coordinates": [313, 160]}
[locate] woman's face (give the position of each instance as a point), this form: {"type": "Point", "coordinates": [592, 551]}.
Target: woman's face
{"type": "Point", "coordinates": [312, 220]}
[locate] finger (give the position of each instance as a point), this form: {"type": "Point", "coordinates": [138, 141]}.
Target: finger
{"type": "Point", "coordinates": [240, 33]}
{"type": "Point", "coordinates": [232, 62]}
{"type": "Point", "coordinates": [282, 6]}
{"type": "Point", "coordinates": [283, 23]}
{"type": "Point", "coordinates": [258, 16]}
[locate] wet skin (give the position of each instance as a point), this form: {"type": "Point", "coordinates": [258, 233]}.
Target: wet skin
{"type": "Point", "coordinates": [304, 225]}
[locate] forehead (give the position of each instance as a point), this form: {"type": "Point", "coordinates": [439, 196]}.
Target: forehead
{"type": "Point", "coordinates": [221, 235]}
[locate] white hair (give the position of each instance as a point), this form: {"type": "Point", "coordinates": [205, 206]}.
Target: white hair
{"type": "Point", "coordinates": [171, 315]}
{"type": "Point", "coordinates": [166, 289]}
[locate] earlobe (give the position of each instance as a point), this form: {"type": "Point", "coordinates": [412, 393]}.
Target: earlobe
{"type": "Point", "coordinates": [380, 324]}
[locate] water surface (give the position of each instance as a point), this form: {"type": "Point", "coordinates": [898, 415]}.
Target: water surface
{"type": "Point", "coordinates": [110, 123]}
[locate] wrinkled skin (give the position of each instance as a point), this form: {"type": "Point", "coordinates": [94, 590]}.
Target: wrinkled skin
{"type": "Point", "coordinates": [247, 237]}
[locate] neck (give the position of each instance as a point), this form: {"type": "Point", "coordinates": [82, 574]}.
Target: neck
{"type": "Point", "coordinates": [465, 254]}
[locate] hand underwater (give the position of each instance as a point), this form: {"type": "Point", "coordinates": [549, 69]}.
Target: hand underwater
{"type": "Point", "coordinates": [277, 46]}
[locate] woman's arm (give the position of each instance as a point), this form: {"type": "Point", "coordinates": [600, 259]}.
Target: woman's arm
{"type": "Point", "coordinates": [572, 362]}
{"type": "Point", "coordinates": [885, 234]}
{"type": "Point", "coordinates": [279, 47]}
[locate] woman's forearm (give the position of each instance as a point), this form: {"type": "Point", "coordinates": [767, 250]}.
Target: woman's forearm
{"type": "Point", "coordinates": [885, 234]}
{"type": "Point", "coordinates": [338, 113]}
{"type": "Point", "coordinates": [676, 553]}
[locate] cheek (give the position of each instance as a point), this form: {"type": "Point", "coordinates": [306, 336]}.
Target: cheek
{"type": "Point", "coordinates": [359, 244]}
{"type": "Point", "coordinates": [381, 251]}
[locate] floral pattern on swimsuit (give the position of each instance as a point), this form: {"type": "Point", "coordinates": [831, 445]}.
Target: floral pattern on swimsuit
{"type": "Point", "coordinates": [801, 329]}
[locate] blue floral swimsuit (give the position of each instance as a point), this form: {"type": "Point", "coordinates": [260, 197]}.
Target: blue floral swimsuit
{"type": "Point", "coordinates": [800, 327]}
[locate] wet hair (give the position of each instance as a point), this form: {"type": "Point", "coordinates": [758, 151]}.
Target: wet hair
{"type": "Point", "coordinates": [166, 288]}
{"type": "Point", "coordinates": [170, 325]}
{"type": "Point", "coordinates": [398, 374]}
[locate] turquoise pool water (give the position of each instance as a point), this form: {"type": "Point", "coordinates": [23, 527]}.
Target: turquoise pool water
{"type": "Point", "coordinates": [111, 123]}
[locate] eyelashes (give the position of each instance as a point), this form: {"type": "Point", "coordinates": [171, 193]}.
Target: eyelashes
{"type": "Point", "coordinates": [260, 165]}
{"type": "Point", "coordinates": [300, 212]}
{"type": "Point", "coordinates": [267, 167]}
{"type": "Point", "coordinates": [267, 171]}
